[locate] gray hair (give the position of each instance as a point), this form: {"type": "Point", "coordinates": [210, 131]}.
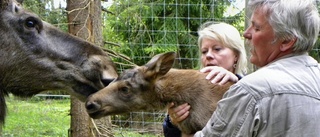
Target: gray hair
{"type": "Point", "coordinates": [230, 37]}
{"type": "Point", "coordinates": [292, 19]}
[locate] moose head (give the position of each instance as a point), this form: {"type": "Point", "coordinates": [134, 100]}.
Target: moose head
{"type": "Point", "coordinates": [35, 56]}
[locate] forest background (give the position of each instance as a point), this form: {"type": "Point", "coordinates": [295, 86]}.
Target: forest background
{"type": "Point", "coordinates": [133, 31]}
{"type": "Point", "coordinates": [139, 29]}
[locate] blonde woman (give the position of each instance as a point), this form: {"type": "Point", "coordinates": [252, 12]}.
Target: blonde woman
{"type": "Point", "coordinates": [222, 55]}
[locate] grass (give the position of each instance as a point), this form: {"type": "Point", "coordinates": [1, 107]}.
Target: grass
{"type": "Point", "coordinates": [132, 134]}
{"type": "Point", "coordinates": [37, 117]}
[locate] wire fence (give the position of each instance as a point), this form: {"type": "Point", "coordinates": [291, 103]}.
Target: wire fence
{"type": "Point", "coordinates": [172, 28]}
{"type": "Point", "coordinates": [139, 29]}
{"type": "Point", "coordinates": [145, 28]}
{"type": "Point", "coordinates": [152, 27]}
{"type": "Point", "coordinates": [141, 122]}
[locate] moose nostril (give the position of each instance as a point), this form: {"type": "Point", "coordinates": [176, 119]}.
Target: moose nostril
{"type": "Point", "coordinates": [92, 106]}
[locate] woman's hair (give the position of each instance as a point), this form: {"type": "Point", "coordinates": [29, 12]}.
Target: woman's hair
{"type": "Point", "coordinates": [292, 19]}
{"type": "Point", "coordinates": [230, 37]}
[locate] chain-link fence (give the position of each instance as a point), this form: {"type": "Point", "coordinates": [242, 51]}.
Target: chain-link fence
{"type": "Point", "coordinates": [139, 29]}
{"type": "Point", "coordinates": [142, 29]}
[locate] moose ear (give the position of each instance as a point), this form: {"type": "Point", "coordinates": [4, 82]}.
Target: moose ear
{"type": "Point", "coordinates": [160, 64]}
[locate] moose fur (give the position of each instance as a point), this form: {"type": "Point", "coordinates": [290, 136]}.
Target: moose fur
{"type": "Point", "coordinates": [153, 86]}
{"type": "Point", "coordinates": [35, 56]}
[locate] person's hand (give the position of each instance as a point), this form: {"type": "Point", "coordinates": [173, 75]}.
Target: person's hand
{"type": "Point", "coordinates": [179, 113]}
{"type": "Point", "coordinates": [219, 75]}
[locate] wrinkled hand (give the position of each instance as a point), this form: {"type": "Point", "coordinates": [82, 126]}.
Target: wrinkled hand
{"type": "Point", "coordinates": [179, 113]}
{"type": "Point", "coordinates": [219, 75]}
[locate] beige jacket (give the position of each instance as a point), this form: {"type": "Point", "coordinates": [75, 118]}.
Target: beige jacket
{"type": "Point", "coordinates": [281, 99]}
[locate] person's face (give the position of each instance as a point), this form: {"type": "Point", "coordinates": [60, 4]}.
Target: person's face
{"type": "Point", "coordinates": [260, 37]}
{"type": "Point", "coordinates": [213, 53]}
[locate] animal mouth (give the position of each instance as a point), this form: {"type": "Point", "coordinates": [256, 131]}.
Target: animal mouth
{"type": "Point", "coordinates": [96, 115]}
{"type": "Point", "coordinates": [84, 90]}
{"type": "Point", "coordinates": [106, 82]}
{"type": "Point", "coordinates": [99, 112]}
{"type": "Point", "coordinates": [94, 109]}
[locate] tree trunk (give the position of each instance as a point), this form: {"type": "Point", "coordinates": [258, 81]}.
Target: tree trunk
{"type": "Point", "coordinates": [84, 17]}
{"type": "Point", "coordinates": [251, 67]}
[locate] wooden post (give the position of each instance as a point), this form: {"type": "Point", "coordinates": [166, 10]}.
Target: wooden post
{"type": "Point", "coordinates": [84, 17]}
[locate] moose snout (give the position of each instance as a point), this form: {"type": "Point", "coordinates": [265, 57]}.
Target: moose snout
{"type": "Point", "coordinates": [92, 106]}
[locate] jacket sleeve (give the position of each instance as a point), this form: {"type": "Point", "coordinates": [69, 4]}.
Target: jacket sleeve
{"type": "Point", "coordinates": [169, 129]}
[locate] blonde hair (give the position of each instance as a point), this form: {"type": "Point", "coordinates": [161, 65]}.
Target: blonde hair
{"type": "Point", "coordinates": [230, 37]}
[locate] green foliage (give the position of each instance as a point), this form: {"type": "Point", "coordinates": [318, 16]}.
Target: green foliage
{"type": "Point", "coordinates": [316, 51]}
{"type": "Point", "coordinates": [46, 10]}
{"type": "Point", "coordinates": [144, 28]}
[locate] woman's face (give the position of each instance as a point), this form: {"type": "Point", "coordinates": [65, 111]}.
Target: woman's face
{"type": "Point", "coordinates": [213, 53]}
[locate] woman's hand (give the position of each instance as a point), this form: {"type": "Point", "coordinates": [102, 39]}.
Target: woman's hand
{"type": "Point", "coordinates": [219, 75]}
{"type": "Point", "coordinates": [179, 113]}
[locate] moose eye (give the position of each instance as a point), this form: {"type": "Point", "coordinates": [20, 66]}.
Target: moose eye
{"type": "Point", "coordinates": [124, 90]}
{"type": "Point", "coordinates": [30, 23]}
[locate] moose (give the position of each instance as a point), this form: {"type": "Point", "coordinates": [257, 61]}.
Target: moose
{"type": "Point", "coordinates": [153, 86]}
{"type": "Point", "coordinates": [35, 56]}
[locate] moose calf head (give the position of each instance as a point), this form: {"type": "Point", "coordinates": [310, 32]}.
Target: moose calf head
{"type": "Point", "coordinates": [133, 90]}
{"type": "Point", "coordinates": [153, 86]}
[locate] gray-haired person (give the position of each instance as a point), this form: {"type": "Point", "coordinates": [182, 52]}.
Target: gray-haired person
{"type": "Point", "coordinates": [281, 98]}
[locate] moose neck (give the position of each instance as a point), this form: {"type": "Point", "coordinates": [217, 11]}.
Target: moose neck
{"type": "Point", "coordinates": [180, 85]}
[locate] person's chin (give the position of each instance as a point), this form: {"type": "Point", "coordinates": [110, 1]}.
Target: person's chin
{"type": "Point", "coordinates": [256, 62]}
{"type": "Point", "coordinates": [253, 60]}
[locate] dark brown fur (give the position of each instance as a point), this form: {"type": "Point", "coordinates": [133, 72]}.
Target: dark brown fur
{"type": "Point", "coordinates": [153, 86]}
{"type": "Point", "coordinates": [35, 56]}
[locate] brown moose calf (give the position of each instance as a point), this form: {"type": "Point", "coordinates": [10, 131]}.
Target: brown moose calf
{"type": "Point", "coordinates": [153, 86]}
